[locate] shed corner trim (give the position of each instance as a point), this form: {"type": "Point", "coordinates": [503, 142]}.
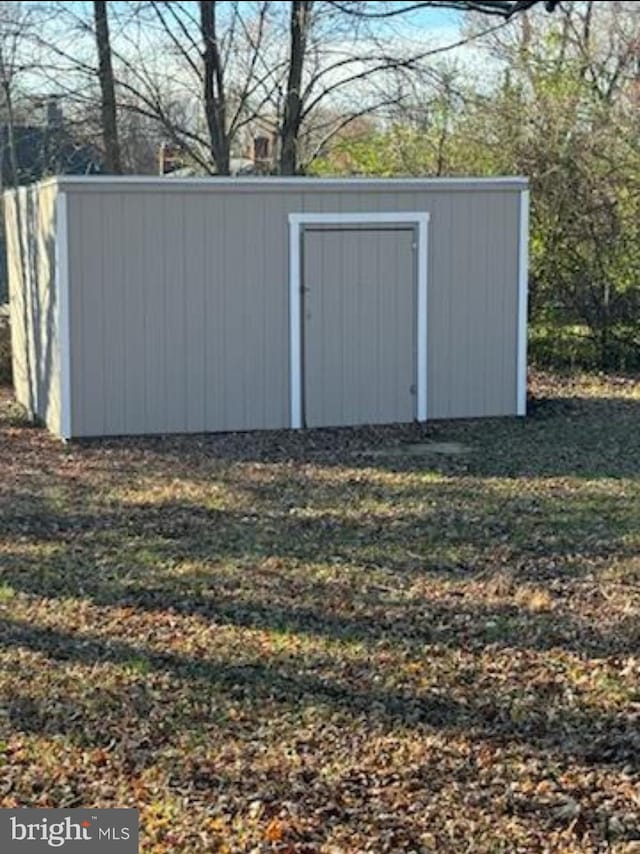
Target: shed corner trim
{"type": "Point", "coordinates": [523, 287]}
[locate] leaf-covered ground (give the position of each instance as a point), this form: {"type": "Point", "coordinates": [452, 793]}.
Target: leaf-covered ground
{"type": "Point", "coordinates": [331, 641]}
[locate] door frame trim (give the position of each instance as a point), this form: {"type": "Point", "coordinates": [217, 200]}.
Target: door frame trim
{"type": "Point", "coordinates": [297, 222]}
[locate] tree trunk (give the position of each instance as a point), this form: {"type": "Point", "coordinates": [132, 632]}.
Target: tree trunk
{"type": "Point", "coordinates": [107, 90]}
{"type": "Point", "coordinates": [605, 329]}
{"type": "Point", "coordinates": [300, 17]}
{"type": "Point", "coordinates": [14, 177]}
{"type": "Point", "coordinates": [214, 91]}
{"type": "Point", "coordinates": [11, 137]}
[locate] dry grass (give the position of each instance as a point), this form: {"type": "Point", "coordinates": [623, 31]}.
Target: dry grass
{"type": "Point", "coordinates": [285, 642]}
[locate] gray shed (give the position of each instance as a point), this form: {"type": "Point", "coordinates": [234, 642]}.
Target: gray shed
{"type": "Point", "coordinates": [157, 305]}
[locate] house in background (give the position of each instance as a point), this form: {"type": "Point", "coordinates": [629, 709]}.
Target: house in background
{"type": "Point", "coordinates": [255, 153]}
{"type": "Point", "coordinates": [45, 144]}
{"type": "Point", "coordinates": [259, 147]}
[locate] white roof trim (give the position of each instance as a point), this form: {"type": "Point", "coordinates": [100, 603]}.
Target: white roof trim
{"type": "Point", "coordinates": [286, 183]}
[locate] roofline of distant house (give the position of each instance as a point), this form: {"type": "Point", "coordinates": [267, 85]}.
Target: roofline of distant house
{"type": "Point", "coordinates": [279, 184]}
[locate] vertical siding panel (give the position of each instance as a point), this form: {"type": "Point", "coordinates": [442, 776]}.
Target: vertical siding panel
{"type": "Point", "coordinates": [76, 337]}
{"type": "Point", "coordinates": [264, 318]}
{"type": "Point", "coordinates": [366, 278]}
{"type": "Point", "coordinates": [41, 293]}
{"type": "Point", "coordinates": [469, 293]}
{"type": "Point", "coordinates": [450, 349]}
{"type": "Point", "coordinates": [16, 299]}
{"type": "Point", "coordinates": [24, 198]}
{"type": "Point", "coordinates": [30, 234]}
{"type": "Point", "coordinates": [291, 203]}
{"type": "Point", "coordinates": [492, 361]}
{"type": "Point", "coordinates": [254, 319]}
{"type": "Point", "coordinates": [30, 304]}
{"type": "Point", "coordinates": [344, 281]}
{"type": "Point", "coordinates": [246, 300]}
{"type": "Point", "coordinates": [132, 239]}
{"type": "Point", "coordinates": [496, 390]}
{"type": "Point", "coordinates": [330, 331]}
{"type": "Point", "coordinates": [235, 296]}
{"type": "Point", "coordinates": [372, 276]}
{"type": "Point", "coordinates": [439, 278]}
{"type": "Point", "coordinates": [195, 308]}
{"type": "Point", "coordinates": [98, 310]}
{"type": "Point", "coordinates": [115, 303]}
{"type": "Point", "coordinates": [208, 302]}
{"type": "Point", "coordinates": [383, 202]}
{"type": "Point", "coordinates": [465, 300]}
{"type": "Point", "coordinates": [481, 348]}
{"type": "Point", "coordinates": [279, 360]}
{"type": "Point", "coordinates": [275, 281]}
{"type": "Point", "coordinates": [388, 311]}
{"type": "Point", "coordinates": [378, 289]}
{"type": "Point", "coordinates": [488, 363]}
{"type": "Point", "coordinates": [51, 250]}
{"type": "Point", "coordinates": [504, 323]}
{"type": "Point", "coordinates": [44, 198]}
{"type": "Point", "coordinates": [176, 307]}
{"type": "Point", "coordinates": [472, 288]}
{"type": "Point", "coordinates": [214, 364]}
{"type": "Point", "coordinates": [93, 317]}
{"type": "Point", "coordinates": [153, 244]}
{"type": "Point", "coordinates": [509, 276]}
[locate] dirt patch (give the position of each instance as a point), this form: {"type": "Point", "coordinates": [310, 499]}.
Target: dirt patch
{"type": "Point", "coordinates": [420, 449]}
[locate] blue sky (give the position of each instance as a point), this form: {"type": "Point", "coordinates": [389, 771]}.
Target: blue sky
{"type": "Point", "coordinates": [428, 19]}
{"type": "Point", "coordinates": [434, 18]}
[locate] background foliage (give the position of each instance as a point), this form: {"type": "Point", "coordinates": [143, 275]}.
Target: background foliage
{"type": "Point", "coordinates": [374, 88]}
{"type": "Point", "coordinates": [562, 110]}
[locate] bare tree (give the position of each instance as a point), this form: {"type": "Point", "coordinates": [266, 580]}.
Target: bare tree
{"type": "Point", "coordinates": [15, 31]}
{"type": "Point", "coordinates": [300, 22]}
{"type": "Point", "coordinates": [501, 8]}
{"type": "Point", "coordinates": [329, 86]}
{"type": "Point", "coordinates": [209, 73]}
{"type": "Point", "coordinates": [107, 89]}
{"type": "Point", "coordinates": [215, 100]}
{"type": "Point", "coordinates": [6, 81]}
{"type": "Point", "coordinates": [231, 64]}
{"type": "Point", "coordinates": [14, 27]}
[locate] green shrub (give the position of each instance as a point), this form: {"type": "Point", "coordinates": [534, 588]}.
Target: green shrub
{"type": "Point", "coordinates": [575, 347]}
{"type": "Point", "coordinates": [5, 347]}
